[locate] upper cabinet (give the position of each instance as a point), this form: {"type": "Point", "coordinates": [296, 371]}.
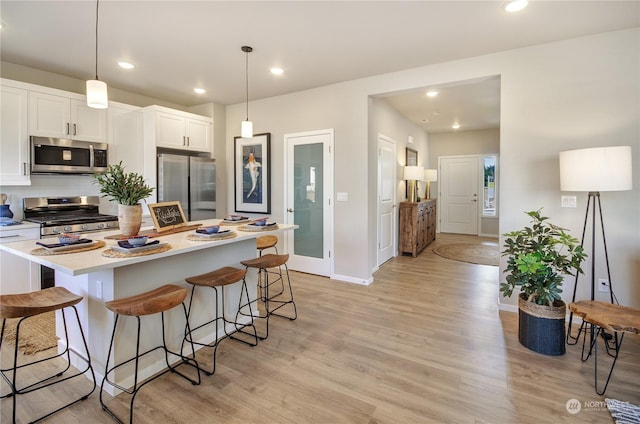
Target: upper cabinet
{"type": "Point", "coordinates": [125, 136]}
{"type": "Point", "coordinates": [52, 115]}
{"type": "Point", "coordinates": [14, 137]}
{"type": "Point", "coordinates": [178, 130]}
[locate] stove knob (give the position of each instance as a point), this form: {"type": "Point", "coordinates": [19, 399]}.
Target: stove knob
{"type": "Point", "coordinates": [67, 228]}
{"type": "Point", "coordinates": [109, 224]}
{"type": "Point", "coordinates": [85, 227]}
{"type": "Point", "coordinates": [101, 226]}
{"type": "Point", "coordinates": [55, 230]}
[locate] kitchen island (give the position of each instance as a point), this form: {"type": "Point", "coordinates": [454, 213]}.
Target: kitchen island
{"type": "Point", "coordinates": [99, 279]}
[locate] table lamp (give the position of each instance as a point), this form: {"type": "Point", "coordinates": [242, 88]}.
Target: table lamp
{"type": "Point", "coordinates": [429, 176]}
{"type": "Point", "coordinates": [413, 174]}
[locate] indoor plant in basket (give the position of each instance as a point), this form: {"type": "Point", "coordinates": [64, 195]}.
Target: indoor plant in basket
{"type": "Point", "coordinates": [539, 257]}
{"type": "Point", "coordinates": [127, 189]}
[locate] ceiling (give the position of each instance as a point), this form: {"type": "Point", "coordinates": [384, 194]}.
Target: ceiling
{"type": "Point", "coordinates": [179, 45]}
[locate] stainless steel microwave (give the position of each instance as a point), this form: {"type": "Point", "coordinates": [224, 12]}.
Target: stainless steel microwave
{"type": "Point", "coordinates": [64, 156]}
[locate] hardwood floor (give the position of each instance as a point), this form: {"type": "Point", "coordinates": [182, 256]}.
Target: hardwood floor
{"type": "Point", "coordinates": [425, 343]}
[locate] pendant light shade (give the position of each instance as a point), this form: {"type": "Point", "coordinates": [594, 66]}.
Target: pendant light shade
{"type": "Point", "coordinates": [97, 94]}
{"type": "Point", "coordinates": [97, 97]}
{"type": "Point", "coordinates": [247, 129]}
{"type": "Point", "coordinates": [247, 126]}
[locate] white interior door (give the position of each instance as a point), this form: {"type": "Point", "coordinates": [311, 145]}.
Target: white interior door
{"type": "Point", "coordinates": [309, 202]}
{"type": "Point", "coordinates": [386, 198]}
{"type": "Point", "coordinates": [458, 198]}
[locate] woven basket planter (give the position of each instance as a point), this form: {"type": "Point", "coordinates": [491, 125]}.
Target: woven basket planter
{"type": "Point", "coordinates": [541, 328]}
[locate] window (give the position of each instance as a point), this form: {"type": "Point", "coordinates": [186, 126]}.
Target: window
{"type": "Point", "coordinates": [489, 203]}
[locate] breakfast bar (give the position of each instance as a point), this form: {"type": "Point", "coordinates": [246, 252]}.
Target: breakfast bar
{"type": "Point", "coordinates": [100, 278]}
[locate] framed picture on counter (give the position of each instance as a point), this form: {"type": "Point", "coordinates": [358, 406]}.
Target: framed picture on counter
{"type": "Point", "coordinates": [252, 174]}
{"type": "Point", "coordinates": [167, 215]}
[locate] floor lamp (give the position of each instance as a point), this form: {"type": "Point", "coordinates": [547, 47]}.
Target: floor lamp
{"type": "Point", "coordinates": [594, 171]}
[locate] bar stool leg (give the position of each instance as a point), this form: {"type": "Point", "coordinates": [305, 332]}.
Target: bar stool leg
{"type": "Point", "coordinates": [239, 327]}
{"type": "Point", "coordinates": [52, 379]}
{"type": "Point", "coordinates": [136, 387]}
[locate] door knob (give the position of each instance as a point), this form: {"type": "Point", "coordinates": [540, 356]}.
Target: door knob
{"type": "Point", "coordinates": [290, 210]}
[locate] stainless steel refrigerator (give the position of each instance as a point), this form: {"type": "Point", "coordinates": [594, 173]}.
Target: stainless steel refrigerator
{"type": "Point", "coordinates": [191, 180]}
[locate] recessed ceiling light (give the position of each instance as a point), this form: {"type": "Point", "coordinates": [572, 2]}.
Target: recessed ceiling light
{"type": "Point", "coordinates": [432, 93]}
{"type": "Point", "coordinates": [200, 90]}
{"type": "Point", "coordinates": [515, 5]}
{"type": "Point", "coordinates": [424, 121]}
{"type": "Point", "coordinates": [277, 71]}
{"type": "Point", "coordinates": [455, 126]}
{"type": "Point", "coordinates": [126, 65]}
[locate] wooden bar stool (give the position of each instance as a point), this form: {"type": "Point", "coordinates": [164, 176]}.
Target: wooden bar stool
{"type": "Point", "coordinates": [214, 280]}
{"type": "Point", "coordinates": [263, 243]}
{"type": "Point", "coordinates": [25, 306]}
{"type": "Point", "coordinates": [154, 301]}
{"type": "Point", "coordinates": [262, 264]}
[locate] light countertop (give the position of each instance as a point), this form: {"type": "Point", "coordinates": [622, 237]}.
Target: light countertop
{"type": "Point", "coordinates": [90, 261]}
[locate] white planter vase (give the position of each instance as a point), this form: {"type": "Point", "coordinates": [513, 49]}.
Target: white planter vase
{"type": "Point", "coordinates": [129, 219]}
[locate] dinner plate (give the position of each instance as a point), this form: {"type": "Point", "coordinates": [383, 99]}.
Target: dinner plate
{"type": "Point", "coordinates": [137, 249]}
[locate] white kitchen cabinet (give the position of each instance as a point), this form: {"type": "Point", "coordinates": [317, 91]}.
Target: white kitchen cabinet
{"type": "Point", "coordinates": [125, 140]}
{"type": "Point", "coordinates": [178, 130]}
{"type": "Point", "coordinates": [18, 275]}
{"type": "Point", "coordinates": [14, 137]}
{"type": "Point", "coordinates": [56, 115]}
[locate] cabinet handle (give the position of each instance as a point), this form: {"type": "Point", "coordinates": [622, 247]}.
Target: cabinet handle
{"type": "Point", "coordinates": [24, 168]}
{"type": "Point", "coordinates": [188, 141]}
{"type": "Point", "coordinates": [74, 130]}
{"type": "Point", "coordinates": [67, 128]}
{"type": "Point", "coordinates": [184, 140]}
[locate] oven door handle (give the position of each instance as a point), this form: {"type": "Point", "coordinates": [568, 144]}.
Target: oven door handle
{"type": "Point", "coordinates": [92, 158]}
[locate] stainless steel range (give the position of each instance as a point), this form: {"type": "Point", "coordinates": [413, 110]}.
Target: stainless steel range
{"type": "Point", "coordinates": [74, 214]}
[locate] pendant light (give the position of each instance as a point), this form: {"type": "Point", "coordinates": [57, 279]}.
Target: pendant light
{"type": "Point", "coordinates": [247, 126]}
{"type": "Point", "coordinates": [97, 90]}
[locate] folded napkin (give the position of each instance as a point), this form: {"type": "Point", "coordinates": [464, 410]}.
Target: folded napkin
{"type": "Point", "coordinates": [54, 245]}
{"type": "Point", "coordinates": [126, 245]}
{"type": "Point", "coordinates": [203, 231]}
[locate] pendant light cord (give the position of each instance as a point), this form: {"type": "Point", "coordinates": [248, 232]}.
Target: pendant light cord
{"type": "Point", "coordinates": [247, 80]}
{"type": "Point", "coordinates": [97, 8]}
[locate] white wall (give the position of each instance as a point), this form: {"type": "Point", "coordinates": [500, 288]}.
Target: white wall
{"type": "Point", "coordinates": [572, 94]}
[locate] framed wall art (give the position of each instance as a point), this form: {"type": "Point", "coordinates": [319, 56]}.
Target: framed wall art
{"type": "Point", "coordinates": [411, 159]}
{"type": "Point", "coordinates": [252, 174]}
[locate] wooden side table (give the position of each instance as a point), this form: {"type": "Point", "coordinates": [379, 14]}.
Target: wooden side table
{"type": "Point", "coordinates": [606, 316]}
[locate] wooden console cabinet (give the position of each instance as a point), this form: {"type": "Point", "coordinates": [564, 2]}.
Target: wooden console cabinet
{"type": "Point", "coordinates": [417, 226]}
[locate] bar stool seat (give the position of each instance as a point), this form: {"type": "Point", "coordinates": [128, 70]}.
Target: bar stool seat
{"type": "Point", "coordinates": [24, 306]}
{"type": "Point", "coordinates": [155, 301]}
{"type": "Point", "coordinates": [220, 278]}
{"type": "Point", "coordinates": [266, 242]}
{"type": "Point", "coordinates": [263, 264]}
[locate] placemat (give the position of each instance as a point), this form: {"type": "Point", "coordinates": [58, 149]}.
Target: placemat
{"type": "Point", "coordinates": [110, 253]}
{"type": "Point", "coordinates": [41, 251]}
{"type": "Point", "coordinates": [195, 237]}
{"type": "Point", "coordinates": [256, 228]}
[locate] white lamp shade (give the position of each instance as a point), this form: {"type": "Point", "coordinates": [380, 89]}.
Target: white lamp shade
{"type": "Point", "coordinates": [597, 169]}
{"type": "Point", "coordinates": [97, 94]}
{"type": "Point", "coordinates": [413, 173]}
{"type": "Point", "coordinates": [247, 129]}
{"type": "Point", "coordinates": [431, 175]}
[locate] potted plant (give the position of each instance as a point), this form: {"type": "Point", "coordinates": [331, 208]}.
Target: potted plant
{"type": "Point", "coordinates": [539, 257]}
{"type": "Point", "coordinates": [127, 189]}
